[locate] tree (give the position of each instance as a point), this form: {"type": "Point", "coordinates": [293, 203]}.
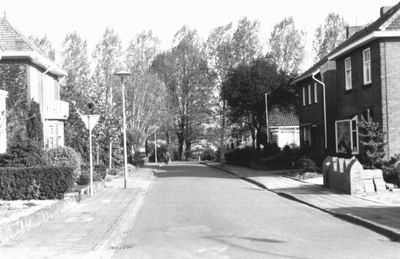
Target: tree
{"type": "Point", "coordinates": [34, 125]}
{"type": "Point", "coordinates": [373, 143]}
{"type": "Point", "coordinates": [329, 35]}
{"type": "Point", "coordinates": [145, 92]}
{"type": "Point", "coordinates": [185, 72]}
{"type": "Point", "coordinates": [44, 45]}
{"type": "Point", "coordinates": [107, 59]}
{"type": "Point", "coordinates": [287, 46]}
{"type": "Point", "coordinates": [244, 91]}
{"type": "Point", "coordinates": [220, 60]}
{"type": "Point", "coordinates": [227, 48]}
{"type": "Point", "coordinates": [246, 44]}
{"type": "Point", "coordinates": [75, 60]}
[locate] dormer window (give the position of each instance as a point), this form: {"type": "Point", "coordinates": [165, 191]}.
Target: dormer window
{"type": "Point", "coordinates": [367, 66]}
{"type": "Point", "coordinates": [347, 68]}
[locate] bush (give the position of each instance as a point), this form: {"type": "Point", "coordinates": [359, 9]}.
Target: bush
{"type": "Point", "coordinates": [99, 173]}
{"type": "Point", "coordinates": [208, 154]}
{"type": "Point", "coordinates": [306, 165]}
{"type": "Point", "coordinates": [390, 170]}
{"type": "Point", "coordinates": [83, 179]}
{"type": "Point", "coordinates": [239, 156]}
{"type": "Point", "coordinates": [64, 157]}
{"type": "Point", "coordinates": [35, 182]}
{"type": "Point", "coordinates": [113, 171]}
{"type": "Point", "coordinates": [272, 149]}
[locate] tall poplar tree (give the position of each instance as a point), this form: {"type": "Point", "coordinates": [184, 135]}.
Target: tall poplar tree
{"type": "Point", "coordinates": [75, 60]}
{"type": "Point", "coordinates": [329, 35]}
{"type": "Point", "coordinates": [107, 58]}
{"type": "Point", "coordinates": [287, 46]}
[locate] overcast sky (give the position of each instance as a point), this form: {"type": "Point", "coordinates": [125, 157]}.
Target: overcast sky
{"type": "Point", "coordinates": [90, 18]}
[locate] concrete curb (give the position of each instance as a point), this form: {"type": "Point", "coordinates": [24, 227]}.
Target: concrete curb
{"type": "Point", "coordinates": [383, 230]}
{"type": "Point", "coordinates": [11, 230]}
{"type": "Point", "coordinates": [22, 224]}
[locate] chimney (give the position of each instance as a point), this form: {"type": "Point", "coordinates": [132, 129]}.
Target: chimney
{"type": "Point", "coordinates": [384, 9]}
{"type": "Point", "coordinates": [350, 30]}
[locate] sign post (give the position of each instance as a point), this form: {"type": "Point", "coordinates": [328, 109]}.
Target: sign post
{"type": "Point", "coordinates": [90, 121]}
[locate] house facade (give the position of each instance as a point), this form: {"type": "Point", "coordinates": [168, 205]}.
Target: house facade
{"type": "Point", "coordinates": [359, 79]}
{"type": "Point", "coordinates": [284, 128]}
{"type": "Point", "coordinates": [26, 73]}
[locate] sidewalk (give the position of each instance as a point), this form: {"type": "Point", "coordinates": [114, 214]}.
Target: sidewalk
{"type": "Point", "coordinates": [379, 212]}
{"type": "Point", "coordinates": [86, 229]}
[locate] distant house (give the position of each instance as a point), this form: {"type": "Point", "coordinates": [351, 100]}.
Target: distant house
{"type": "Point", "coordinates": [284, 127]}
{"type": "Point", "coordinates": [360, 78]}
{"type": "Point", "coordinates": [24, 69]}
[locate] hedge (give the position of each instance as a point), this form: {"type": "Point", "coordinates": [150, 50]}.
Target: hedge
{"type": "Point", "coordinates": [35, 182]}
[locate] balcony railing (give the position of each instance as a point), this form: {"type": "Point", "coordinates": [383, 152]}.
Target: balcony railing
{"type": "Point", "coordinates": [56, 110]}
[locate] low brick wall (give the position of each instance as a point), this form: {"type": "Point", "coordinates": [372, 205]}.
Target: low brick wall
{"type": "Point", "coordinates": [349, 176]}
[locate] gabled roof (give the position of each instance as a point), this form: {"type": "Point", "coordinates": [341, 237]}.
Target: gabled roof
{"type": "Point", "coordinates": [277, 117]}
{"type": "Point", "coordinates": [314, 69]}
{"type": "Point", "coordinates": [388, 25]}
{"type": "Point", "coordinates": [14, 45]}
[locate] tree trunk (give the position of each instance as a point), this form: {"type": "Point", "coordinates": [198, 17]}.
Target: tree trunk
{"type": "Point", "coordinates": [259, 138]}
{"type": "Point", "coordinates": [253, 137]}
{"type": "Point", "coordinates": [188, 147]}
{"type": "Point", "coordinates": [223, 134]}
{"type": "Point", "coordinates": [180, 149]}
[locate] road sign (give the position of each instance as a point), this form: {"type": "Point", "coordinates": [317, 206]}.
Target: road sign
{"type": "Point", "coordinates": [90, 120]}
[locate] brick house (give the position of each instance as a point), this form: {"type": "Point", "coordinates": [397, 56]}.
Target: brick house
{"type": "Point", "coordinates": [25, 71]}
{"type": "Point", "coordinates": [361, 77]}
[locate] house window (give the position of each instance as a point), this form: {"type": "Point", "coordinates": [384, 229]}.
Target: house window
{"type": "Point", "coordinates": [347, 67]}
{"type": "Point", "coordinates": [368, 114]}
{"type": "Point", "coordinates": [304, 96]}
{"type": "Point", "coordinates": [309, 94]}
{"type": "Point", "coordinates": [367, 66]}
{"type": "Point", "coordinates": [347, 136]}
{"type": "Point", "coordinates": [315, 93]}
{"type": "Point", "coordinates": [307, 136]}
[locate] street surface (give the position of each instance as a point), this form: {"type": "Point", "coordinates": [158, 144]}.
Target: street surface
{"type": "Point", "coordinates": [194, 211]}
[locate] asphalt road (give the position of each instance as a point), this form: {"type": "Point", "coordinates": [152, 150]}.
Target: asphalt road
{"type": "Point", "coordinates": [193, 211]}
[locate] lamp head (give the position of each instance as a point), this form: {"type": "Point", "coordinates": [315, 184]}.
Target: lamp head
{"type": "Point", "coordinates": [122, 74]}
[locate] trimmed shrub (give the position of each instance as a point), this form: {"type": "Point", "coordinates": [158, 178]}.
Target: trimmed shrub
{"type": "Point", "coordinates": [35, 182]}
{"type": "Point", "coordinates": [64, 157]}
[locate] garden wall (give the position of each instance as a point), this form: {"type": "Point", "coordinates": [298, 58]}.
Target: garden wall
{"type": "Point", "coordinates": [349, 176]}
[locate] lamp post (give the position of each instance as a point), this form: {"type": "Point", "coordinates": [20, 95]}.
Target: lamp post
{"type": "Point", "coordinates": [122, 75]}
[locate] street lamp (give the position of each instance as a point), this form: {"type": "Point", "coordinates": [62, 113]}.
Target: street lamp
{"type": "Point", "coordinates": [122, 75]}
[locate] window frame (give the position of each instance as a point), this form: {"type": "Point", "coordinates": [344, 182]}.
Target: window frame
{"type": "Point", "coordinates": [352, 135]}
{"type": "Point", "coordinates": [307, 135]}
{"type": "Point", "coordinates": [315, 93]}
{"type": "Point", "coordinates": [304, 96]}
{"type": "Point", "coordinates": [309, 94]}
{"type": "Point", "coordinates": [367, 66]}
{"type": "Point", "coordinates": [348, 74]}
